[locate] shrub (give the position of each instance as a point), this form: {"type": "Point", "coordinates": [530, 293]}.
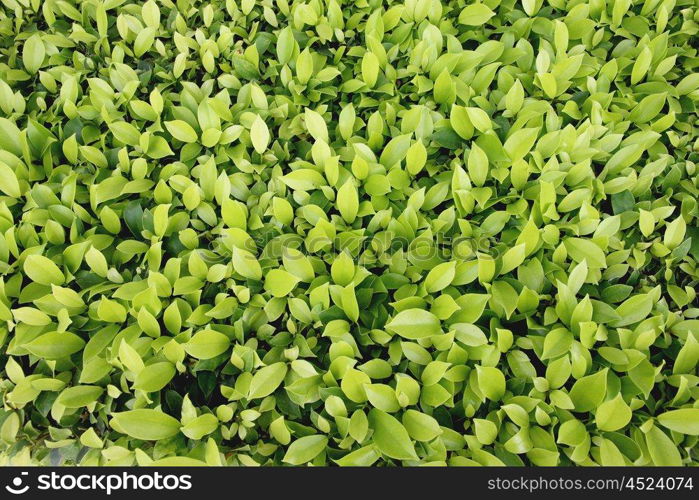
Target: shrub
{"type": "Point", "coordinates": [354, 233]}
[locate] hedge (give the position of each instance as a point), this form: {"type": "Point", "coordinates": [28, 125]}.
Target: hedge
{"type": "Point", "coordinates": [339, 232]}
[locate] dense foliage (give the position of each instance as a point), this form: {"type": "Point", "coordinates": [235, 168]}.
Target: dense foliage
{"type": "Point", "coordinates": [349, 232]}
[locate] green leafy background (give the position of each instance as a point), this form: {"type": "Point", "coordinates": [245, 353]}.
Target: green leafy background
{"type": "Point", "coordinates": [348, 232]}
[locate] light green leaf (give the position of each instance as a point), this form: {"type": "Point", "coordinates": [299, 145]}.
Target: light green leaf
{"type": "Point", "coordinates": [280, 283]}
{"type": "Point", "coordinates": [588, 392]}
{"type": "Point", "coordinates": [582, 249]}
{"type": "Point", "coordinates": [663, 451]}
{"type": "Point", "coordinates": [395, 150]}
{"type": "Point", "coordinates": [207, 344]}
{"type": "Point", "coordinates": [348, 201]}
{"type": "Point", "coordinates": [440, 277]}
{"type": "Point", "coordinates": [181, 130]}
{"type": "Point", "coordinates": [246, 264]}
{"type": "Point", "coordinates": [78, 396]}
{"type": "Point", "coordinates": [475, 14]}
{"type": "Point", "coordinates": [491, 382]}
{"type": "Point", "coordinates": [390, 436]}
{"type": "Point", "coordinates": [55, 345]}
{"type": "Point", "coordinates": [519, 143]}
{"type": "Point", "coordinates": [154, 377]}
{"type": "Point", "coordinates": [613, 415]}
{"type": "Point", "coordinates": [414, 324]}
{"type": "Point", "coordinates": [684, 420]}
{"type": "Point", "coordinates": [266, 380]}
{"type": "Point", "coordinates": [42, 270]}
{"type": "Point", "coordinates": [200, 426]}
{"type": "Point", "coordinates": [9, 184]}
{"type": "Point", "coordinates": [146, 424]}
{"type": "Point", "coordinates": [305, 449]}
{"type": "Point", "coordinates": [315, 124]}
{"type": "Point", "coordinates": [33, 53]}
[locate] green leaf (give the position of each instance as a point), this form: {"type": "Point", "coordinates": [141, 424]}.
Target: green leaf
{"type": "Point", "coordinates": [460, 122]}
{"type": "Point", "coordinates": [280, 283]}
{"type": "Point", "coordinates": [390, 437]}
{"type": "Point", "coordinates": [370, 69]}
{"type": "Point", "coordinates": [491, 382]}
{"type": "Point", "coordinates": [513, 258]}
{"type": "Point", "coordinates": [149, 425]}
{"type": "Point", "coordinates": [363, 457]}
{"type": "Point", "coordinates": [475, 14]}
{"type": "Point", "coordinates": [479, 119]}
{"type": "Point", "coordinates": [348, 201]}
{"type": "Point", "coordinates": [126, 133]}
{"type": "Point", "coordinates": [648, 108]}
{"type": "Point", "coordinates": [41, 270]}
{"type": "Point", "coordinates": [588, 392]}
{"type": "Point", "coordinates": [10, 137]}
{"type": "Point", "coordinates": [55, 345]}
{"type": "Point", "coordinates": [613, 415]}
{"type": "Point", "coordinates": [266, 380]}
{"type": "Point", "coordinates": [181, 130]}
{"type": "Point", "coordinates": [414, 324]}
{"type": "Point", "coordinates": [395, 150]}
{"type": "Point", "coordinates": [9, 184]}
{"type": "Point", "coordinates": [440, 277]}
{"type": "Point", "coordinates": [633, 310]}
{"type": "Point", "coordinates": [285, 45]}
{"type": "Point", "coordinates": [469, 334]}
{"type": "Point", "coordinates": [420, 426]}
{"type": "Point", "coordinates": [640, 67]}
{"type": "Point", "coordinates": [518, 144]}
{"type": "Point", "coordinates": [346, 121]}
{"type": "Point", "coordinates": [259, 135]}
{"type": "Point", "coordinates": [78, 396]}
{"type": "Point", "coordinates": [296, 263]}
{"type": "Point", "coordinates": [485, 430]}
{"type": "Point", "coordinates": [444, 88]}
{"type": "Point", "coordinates": [663, 451]}
{"type": "Point", "coordinates": [144, 41]}
{"type": "Point", "coordinates": [581, 249]}
{"type": "Point", "coordinates": [305, 449]}
{"type": "Point", "coordinates": [304, 66]}
{"type": "Point", "coordinates": [646, 222]}
{"type": "Point", "coordinates": [478, 165]}
{"type": "Point", "coordinates": [674, 233]}
{"type": "Point", "coordinates": [33, 53]}
{"type": "Point", "coordinates": [207, 344]}
{"type": "Point", "coordinates": [416, 158]}
{"type": "Point", "coordinates": [246, 264]}
{"type": "Point", "coordinates": [383, 397]}
{"type": "Point", "coordinates": [200, 426]}
{"type": "Point", "coordinates": [303, 179]}
{"type": "Point", "coordinates": [314, 123]}
{"type": "Point", "coordinates": [684, 420]}
{"type": "Point", "coordinates": [154, 377]}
